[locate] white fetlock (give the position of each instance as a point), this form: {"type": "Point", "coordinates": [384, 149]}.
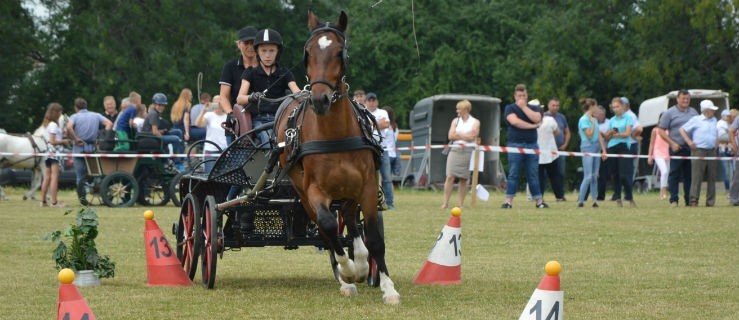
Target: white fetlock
{"type": "Point", "coordinates": [348, 289]}
{"type": "Point", "coordinates": [389, 295]}
{"type": "Point", "coordinates": [346, 268]}
{"type": "Point", "coordinates": [360, 260]}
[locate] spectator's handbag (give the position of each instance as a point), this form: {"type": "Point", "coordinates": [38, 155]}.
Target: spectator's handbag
{"type": "Point", "coordinates": [448, 147]}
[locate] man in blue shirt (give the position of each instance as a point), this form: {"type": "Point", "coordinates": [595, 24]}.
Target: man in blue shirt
{"type": "Point", "coordinates": [562, 139]}
{"type": "Point", "coordinates": [672, 119]}
{"type": "Point", "coordinates": [84, 127]}
{"type": "Point", "coordinates": [523, 120]}
{"type": "Point", "coordinates": [701, 135]}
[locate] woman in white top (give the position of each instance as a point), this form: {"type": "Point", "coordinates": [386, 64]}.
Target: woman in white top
{"type": "Point", "coordinates": [389, 138]}
{"type": "Point", "coordinates": [56, 141]}
{"type": "Point", "coordinates": [211, 117]}
{"type": "Point", "coordinates": [464, 130]}
{"type": "Point", "coordinates": [548, 167]}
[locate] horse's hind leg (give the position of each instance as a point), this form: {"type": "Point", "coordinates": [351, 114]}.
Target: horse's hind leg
{"type": "Point", "coordinates": [376, 245]}
{"type": "Point", "coordinates": [350, 211]}
{"type": "Point", "coordinates": [38, 176]}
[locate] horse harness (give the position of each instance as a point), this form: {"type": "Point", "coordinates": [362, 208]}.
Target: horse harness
{"type": "Point", "coordinates": [296, 149]}
{"type": "Point", "coordinates": [4, 162]}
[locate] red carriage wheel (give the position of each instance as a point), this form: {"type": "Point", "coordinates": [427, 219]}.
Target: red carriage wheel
{"type": "Point", "coordinates": [189, 234]}
{"type": "Point", "coordinates": [212, 231]}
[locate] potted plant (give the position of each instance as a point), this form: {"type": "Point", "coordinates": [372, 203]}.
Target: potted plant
{"type": "Point", "coordinates": [77, 251]}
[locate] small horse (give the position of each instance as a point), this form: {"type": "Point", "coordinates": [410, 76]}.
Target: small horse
{"type": "Point", "coordinates": [24, 144]}
{"type": "Point", "coordinates": [338, 168]}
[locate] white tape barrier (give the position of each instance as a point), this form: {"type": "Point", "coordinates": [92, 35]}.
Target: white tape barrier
{"type": "Point", "coordinates": [484, 148]}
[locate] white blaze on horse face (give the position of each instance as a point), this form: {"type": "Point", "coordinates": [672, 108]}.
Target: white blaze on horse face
{"type": "Point", "coordinates": [324, 42]}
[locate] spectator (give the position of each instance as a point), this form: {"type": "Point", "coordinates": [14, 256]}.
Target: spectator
{"type": "Point", "coordinates": [360, 97]}
{"type": "Point", "coordinates": [659, 154]}
{"type": "Point", "coordinates": [634, 139]}
{"type": "Point", "coordinates": [522, 120]}
{"type": "Point", "coordinates": [124, 124]}
{"type": "Point", "coordinates": [619, 142]}
{"type": "Point", "coordinates": [734, 146]}
{"type": "Point", "coordinates": [603, 173]}
{"type": "Point", "coordinates": [84, 126]}
{"type": "Point", "coordinates": [268, 79]}
{"type": "Point", "coordinates": [180, 113]}
{"type": "Point", "coordinates": [591, 142]}
{"type": "Point", "coordinates": [111, 110]}
{"type": "Point", "coordinates": [700, 134]}
{"type": "Point", "coordinates": [383, 123]}
{"type": "Point", "coordinates": [464, 130]}
{"type": "Point", "coordinates": [138, 121]}
{"type": "Point", "coordinates": [211, 118]}
{"type": "Point", "coordinates": [562, 138]}
{"type": "Point", "coordinates": [726, 169]}
{"type": "Point", "coordinates": [153, 124]}
{"type": "Point", "coordinates": [196, 132]}
{"type": "Point", "coordinates": [669, 129]}
{"type": "Point", "coordinates": [548, 157]}
{"type": "Point", "coordinates": [390, 139]}
{"type": "Point", "coordinates": [56, 142]}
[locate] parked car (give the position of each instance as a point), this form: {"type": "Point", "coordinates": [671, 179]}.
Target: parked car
{"type": "Point", "coordinates": [17, 177]}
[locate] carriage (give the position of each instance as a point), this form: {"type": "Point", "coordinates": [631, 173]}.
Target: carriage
{"type": "Point", "coordinates": [119, 181]}
{"type": "Point", "coordinates": [210, 224]}
{"type": "Point", "coordinates": [316, 185]}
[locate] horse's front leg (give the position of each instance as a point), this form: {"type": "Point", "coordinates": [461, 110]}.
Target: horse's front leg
{"type": "Point", "coordinates": [376, 245]}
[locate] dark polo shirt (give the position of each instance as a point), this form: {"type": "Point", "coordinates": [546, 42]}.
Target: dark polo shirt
{"type": "Point", "coordinates": [231, 76]}
{"type": "Point", "coordinates": [276, 84]}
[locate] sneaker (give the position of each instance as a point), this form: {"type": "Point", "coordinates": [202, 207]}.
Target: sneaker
{"type": "Point", "coordinates": [595, 204]}
{"type": "Point", "coordinates": [580, 205]}
{"type": "Point", "coordinates": [673, 204]}
{"type": "Point", "coordinates": [506, 205]}
{"type": "Point", "coordinates": [180, 167]}
{"type": "Point", "coordinates": [44, 204]}
{"type": "Point", "coordinates": [632, 204]}
{"type": "Point", "coordinates": [619, 203]}
{"type": "Point", "coordinates": [390, 206]}
{"type": "Point", "coordinates": [58, 205]}
{"type": "Point", "coordinates": [563, 199]}
{"type": "Point", "coordinates": [542, 205]}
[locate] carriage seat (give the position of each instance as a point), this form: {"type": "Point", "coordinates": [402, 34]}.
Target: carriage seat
{"type": "Point", "coordinates": [149, 143]}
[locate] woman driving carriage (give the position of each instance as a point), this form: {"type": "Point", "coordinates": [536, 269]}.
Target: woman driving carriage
{"type": "Point", "coordinates": [268, 79]}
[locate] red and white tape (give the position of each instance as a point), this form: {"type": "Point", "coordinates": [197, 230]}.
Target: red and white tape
{"type": "Point", "coordinates": [484, 148]}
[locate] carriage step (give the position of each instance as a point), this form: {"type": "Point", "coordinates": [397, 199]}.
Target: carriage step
{"type": "Point", "coordinates": [283, 201]}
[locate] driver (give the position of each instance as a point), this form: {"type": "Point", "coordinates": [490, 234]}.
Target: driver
{"type": "Point", "coordinates": [267, 79]}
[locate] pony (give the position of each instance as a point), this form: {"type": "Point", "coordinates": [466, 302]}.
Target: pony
{"type": "Point", "coordinates": [329, 157]}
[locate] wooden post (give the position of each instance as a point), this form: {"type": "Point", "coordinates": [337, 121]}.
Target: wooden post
{"type": "Point", "coordinates": [475, 172]}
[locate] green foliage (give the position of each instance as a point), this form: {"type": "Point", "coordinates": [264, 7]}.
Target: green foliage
{"type": "Point", "coordinates": [80, 252]}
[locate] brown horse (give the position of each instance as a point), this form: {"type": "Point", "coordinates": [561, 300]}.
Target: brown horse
{"type": "Point", "coordinates": [340, 166]}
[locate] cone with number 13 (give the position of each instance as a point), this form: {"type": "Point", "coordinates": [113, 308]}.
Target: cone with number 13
{"type": "Point", "coordinates": [444, 263]}
{"type": "Point", "coordinates": [163, 267]}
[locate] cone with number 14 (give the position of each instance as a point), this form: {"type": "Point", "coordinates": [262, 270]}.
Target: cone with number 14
{"type": "Point", "coordinates": [444, 263]}
{"type": "Point", "coordinates": [547, 302]}
{"type": "Point", "coordinates": [71, 304]}
{"type": "Point", "coordinates": [163, 267]}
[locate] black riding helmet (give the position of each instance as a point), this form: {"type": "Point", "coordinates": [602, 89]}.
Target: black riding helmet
{"type": "Point", "coordinates": [268, 36]}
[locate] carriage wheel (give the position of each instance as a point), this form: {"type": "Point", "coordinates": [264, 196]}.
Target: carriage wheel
{"type": "Point", "coordinates": [88, 191]}
{"type": "Point", "coordinates": [119, 189]}
{"type": "Point", "coordinates": [188, 234]}
{"type": "Point", "coordinates": [212, 227]}
{"type": "Point", "coordinates": [174, 189]}
{"type": "Point", "coordinates": [153, 190]}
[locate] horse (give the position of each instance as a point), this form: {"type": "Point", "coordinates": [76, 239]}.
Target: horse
{"type": "Point", "coordinates": [24, 144]}
{"type": "Point", "coordinates": [332, 163]}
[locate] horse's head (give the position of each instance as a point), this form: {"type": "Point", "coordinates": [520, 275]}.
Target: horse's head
{"type": "Point", "coordinates": [325, 61]}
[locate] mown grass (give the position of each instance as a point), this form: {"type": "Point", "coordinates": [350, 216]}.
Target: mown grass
{"type": "Point", "coordinates": [618, 263]}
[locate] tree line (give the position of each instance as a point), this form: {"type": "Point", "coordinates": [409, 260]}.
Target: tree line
{"type": "Point", "coordinates": [404, 50]}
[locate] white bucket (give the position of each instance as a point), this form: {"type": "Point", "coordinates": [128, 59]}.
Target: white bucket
{"type": "Point", "coordinates": [86, 278]}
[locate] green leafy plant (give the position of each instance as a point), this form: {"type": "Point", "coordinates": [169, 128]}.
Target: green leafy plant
{"type": "Point", "coordinates": [76, 249]}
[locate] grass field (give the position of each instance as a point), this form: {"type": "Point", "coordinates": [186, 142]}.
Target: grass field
{"type": "Point", "coordinates": [617, 263]}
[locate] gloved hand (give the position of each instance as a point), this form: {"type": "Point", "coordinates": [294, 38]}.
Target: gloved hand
{"type": "Point", "coordinates": [228, 125]}
{"type": "Point", "coordinates": [255, 96]}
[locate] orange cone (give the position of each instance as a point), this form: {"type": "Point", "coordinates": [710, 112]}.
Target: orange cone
{"type": "Point", "coordinates": [444, 263]}
{"type": "Point", "coordinates": [547, 302]}
{"type": "Point", "coordinates": [164, 269]}
{"type": "Point", "coordinates": [71, 304]}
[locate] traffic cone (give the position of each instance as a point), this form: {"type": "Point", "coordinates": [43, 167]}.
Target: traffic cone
{"type": "Point", "coordinates": [163, 267]}
{"type": "Point", "coordinates": [547, 302]}
{"type": "Point", "coordinates": [444, 263]}
{"type": "Point", "coordinates": [71, 304]}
